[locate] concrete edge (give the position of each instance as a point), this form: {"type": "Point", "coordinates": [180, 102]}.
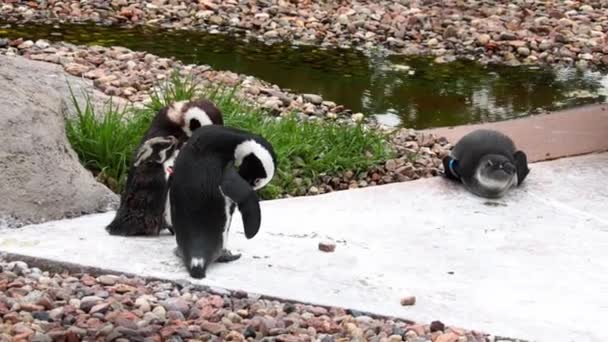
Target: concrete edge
{"type": "Point", "coordinates": [55, 266]}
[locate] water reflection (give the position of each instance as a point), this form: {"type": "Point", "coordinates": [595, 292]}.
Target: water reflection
{"type": "Point", "coordinates": [420, 93]}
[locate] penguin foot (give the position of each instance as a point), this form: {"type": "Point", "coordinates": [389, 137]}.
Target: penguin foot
{"type": "Point", "coordinates": [227, 256]}
{"type": "Point", "coordinates": [178, 252]}
{"type": "Point", "coordinates": [521, 164]}
{"type": "Point", "coordinates": [170, 229]}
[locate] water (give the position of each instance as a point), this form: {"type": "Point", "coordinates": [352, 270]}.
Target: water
{"type": "Point", "coordinates": [407, 91]}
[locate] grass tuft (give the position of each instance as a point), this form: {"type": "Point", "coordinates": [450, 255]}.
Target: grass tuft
{"type": "Point", "coordinates": [305, 150]}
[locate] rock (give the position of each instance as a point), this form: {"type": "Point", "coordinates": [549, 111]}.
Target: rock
{"type": "Point", "coordinates": [327, 247]}
{"type": "Point", "coordinates": [417, 329]}
{"type": "Point", "coordinates": [214, 328]}
{"type": "Point", "coordinates": [40, 337]}
{"type": "Point", "coordinates": [271, 34]}
{"type": "Point", "coordinates": [160, 312]}
{"type": "Point", "coordinates": [450, 31]}
{"type": "Point", "coordinates": [524, 51]}
{"type": "Point", "coordinates": [545, 45]}
{"type": "Point", "coordinates": [3, 42]}
{"type": "Point", "coordinates": [107, 279]}
{"type": "Point", "coordinates": [437, 326]}
{"type": "Point", "coordinates": [507, 36]}
{"type": "Point", "coordinates": [33, 186]}
{"type": "Point", "coordinates": [483, 39]}
{"type": "Point", "coordinates": [76, 69]}
{"type": "Point", "coordinates": [87, 303]}
{"type": "Point", "coordinates": [312, 98]}
{"type": "Point", "coordinates": [357, 117]}
{"type": "Point", "coordinates": [390, 165]}
{"type": "Point", "coordinates": [235, 336]}
{"type": "Point", "coordinates": [408, 300]}
{"type": "Point", "coordinates": [25, 45]}
{"type": "Point", "coordinates": [176, 304]}
{"type": "Point", "coordinates": [395, 338]}
{"type": "Point", "coordinates": [102, 307]}
{"type": "Point", "coordinates": [448, 337]}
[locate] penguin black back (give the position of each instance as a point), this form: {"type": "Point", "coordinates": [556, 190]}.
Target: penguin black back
{"type": "Point", "coordinates": [206, 187]}
{"type": "Point", "coordinates": [487, 162]}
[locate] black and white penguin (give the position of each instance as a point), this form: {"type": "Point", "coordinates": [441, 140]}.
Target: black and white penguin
{"type": "Point", "coordinates": [142, 202]}
{"type": "Point", "coordinates": [181, 118]}
{"type": "Point", "coordinates": [487, 163]}
{"type": "Point", "coordinates": [178, 120]}
{"type": "Point", "coordinates": [206, 188]}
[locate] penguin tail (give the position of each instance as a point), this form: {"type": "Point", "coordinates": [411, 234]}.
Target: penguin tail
{"type": "Point", "coordinates": [115, 227]}
{"type": "Point", "coordinates": [198, 267]}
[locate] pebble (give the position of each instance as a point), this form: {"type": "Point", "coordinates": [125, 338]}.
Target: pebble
{"type": "Point", "coordinates": [107, 279]}
{"type": "Point", "coordinates": [327, 247]}
{"type": "Point", "coordinates": [437, 326]}
{"type": "Point", "coordinates": [176, 304]}
{"type": "Point", "coordinates": [312, 98]}
{"type": "Point", "coordinates": [408, 301]}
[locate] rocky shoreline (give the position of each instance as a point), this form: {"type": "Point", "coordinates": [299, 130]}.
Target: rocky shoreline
{"type": "Point", "coordinates": [38, 305]}
{"type": "Point", "coordinates": [132, 75]}
{"type": "Point", "coordinates": [562, 32]}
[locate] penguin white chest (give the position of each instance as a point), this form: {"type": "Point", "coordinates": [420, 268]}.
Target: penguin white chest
{"type": "Point", "coordinates": [168, 169]}
{"type": "Point", "coordinates": [228, 203]}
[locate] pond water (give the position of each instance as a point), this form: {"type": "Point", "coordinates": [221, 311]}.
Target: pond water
{"type": "Point", "coordinates": [407, 91]}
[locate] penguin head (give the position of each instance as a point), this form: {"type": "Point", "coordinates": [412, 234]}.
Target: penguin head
{"type": "Point", "coordinates": [190, 115]}
{"type": "Point", "coordinates": [256, 162]}
{"type": "Point", "coordinates": [496, 171]}
{"type": "Point", "coordinates": [156, 150]}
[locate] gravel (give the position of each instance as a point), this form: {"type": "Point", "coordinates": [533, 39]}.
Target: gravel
{"type": "Point", "coordinates": [556, 32]}
{"type": "Point", "coordinates": [119, 71]}
{"type": "Point", "coordinates": [39, 305]}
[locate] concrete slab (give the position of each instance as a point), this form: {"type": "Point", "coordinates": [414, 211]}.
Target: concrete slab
{"type": "Point", "coordinates": [550, 136]}
{"type": "Point", "coordinates": [532, 265]}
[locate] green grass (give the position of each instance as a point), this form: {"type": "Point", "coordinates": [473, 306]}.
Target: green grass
{"type": "Point", "coordinates": [305, 150]}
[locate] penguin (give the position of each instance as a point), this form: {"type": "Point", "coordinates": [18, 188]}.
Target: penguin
{"type": "Point", "coordinates": [487, 163]}
{"type": "Point", "coordinates": [142, 202]}
{"type": "Point", "coordinates": [179, 120]}
{"type": "Point", "coordinates": [219, 169]}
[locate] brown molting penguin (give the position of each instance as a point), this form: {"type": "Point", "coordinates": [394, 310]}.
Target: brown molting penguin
{"type": "Point", "coordinates": [143, 202]}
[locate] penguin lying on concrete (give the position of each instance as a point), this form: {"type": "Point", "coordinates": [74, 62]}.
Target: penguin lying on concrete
{"type": "Point", "coordinates": [178, 120]}
{"type": "Point", "coordinates": [142, 202]}
{"type": "Point", "coordinates": [487, 163]}
{"type": "Point", "coordinates": [206, 187]}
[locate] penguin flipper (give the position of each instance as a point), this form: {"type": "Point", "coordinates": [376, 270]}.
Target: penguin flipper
{"type": "Point", "coordinates": [235, 187]}
{"type": "Point", "coordinates": [521, 164]}
{"type": "Point", "coordinates": [449, 171]}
